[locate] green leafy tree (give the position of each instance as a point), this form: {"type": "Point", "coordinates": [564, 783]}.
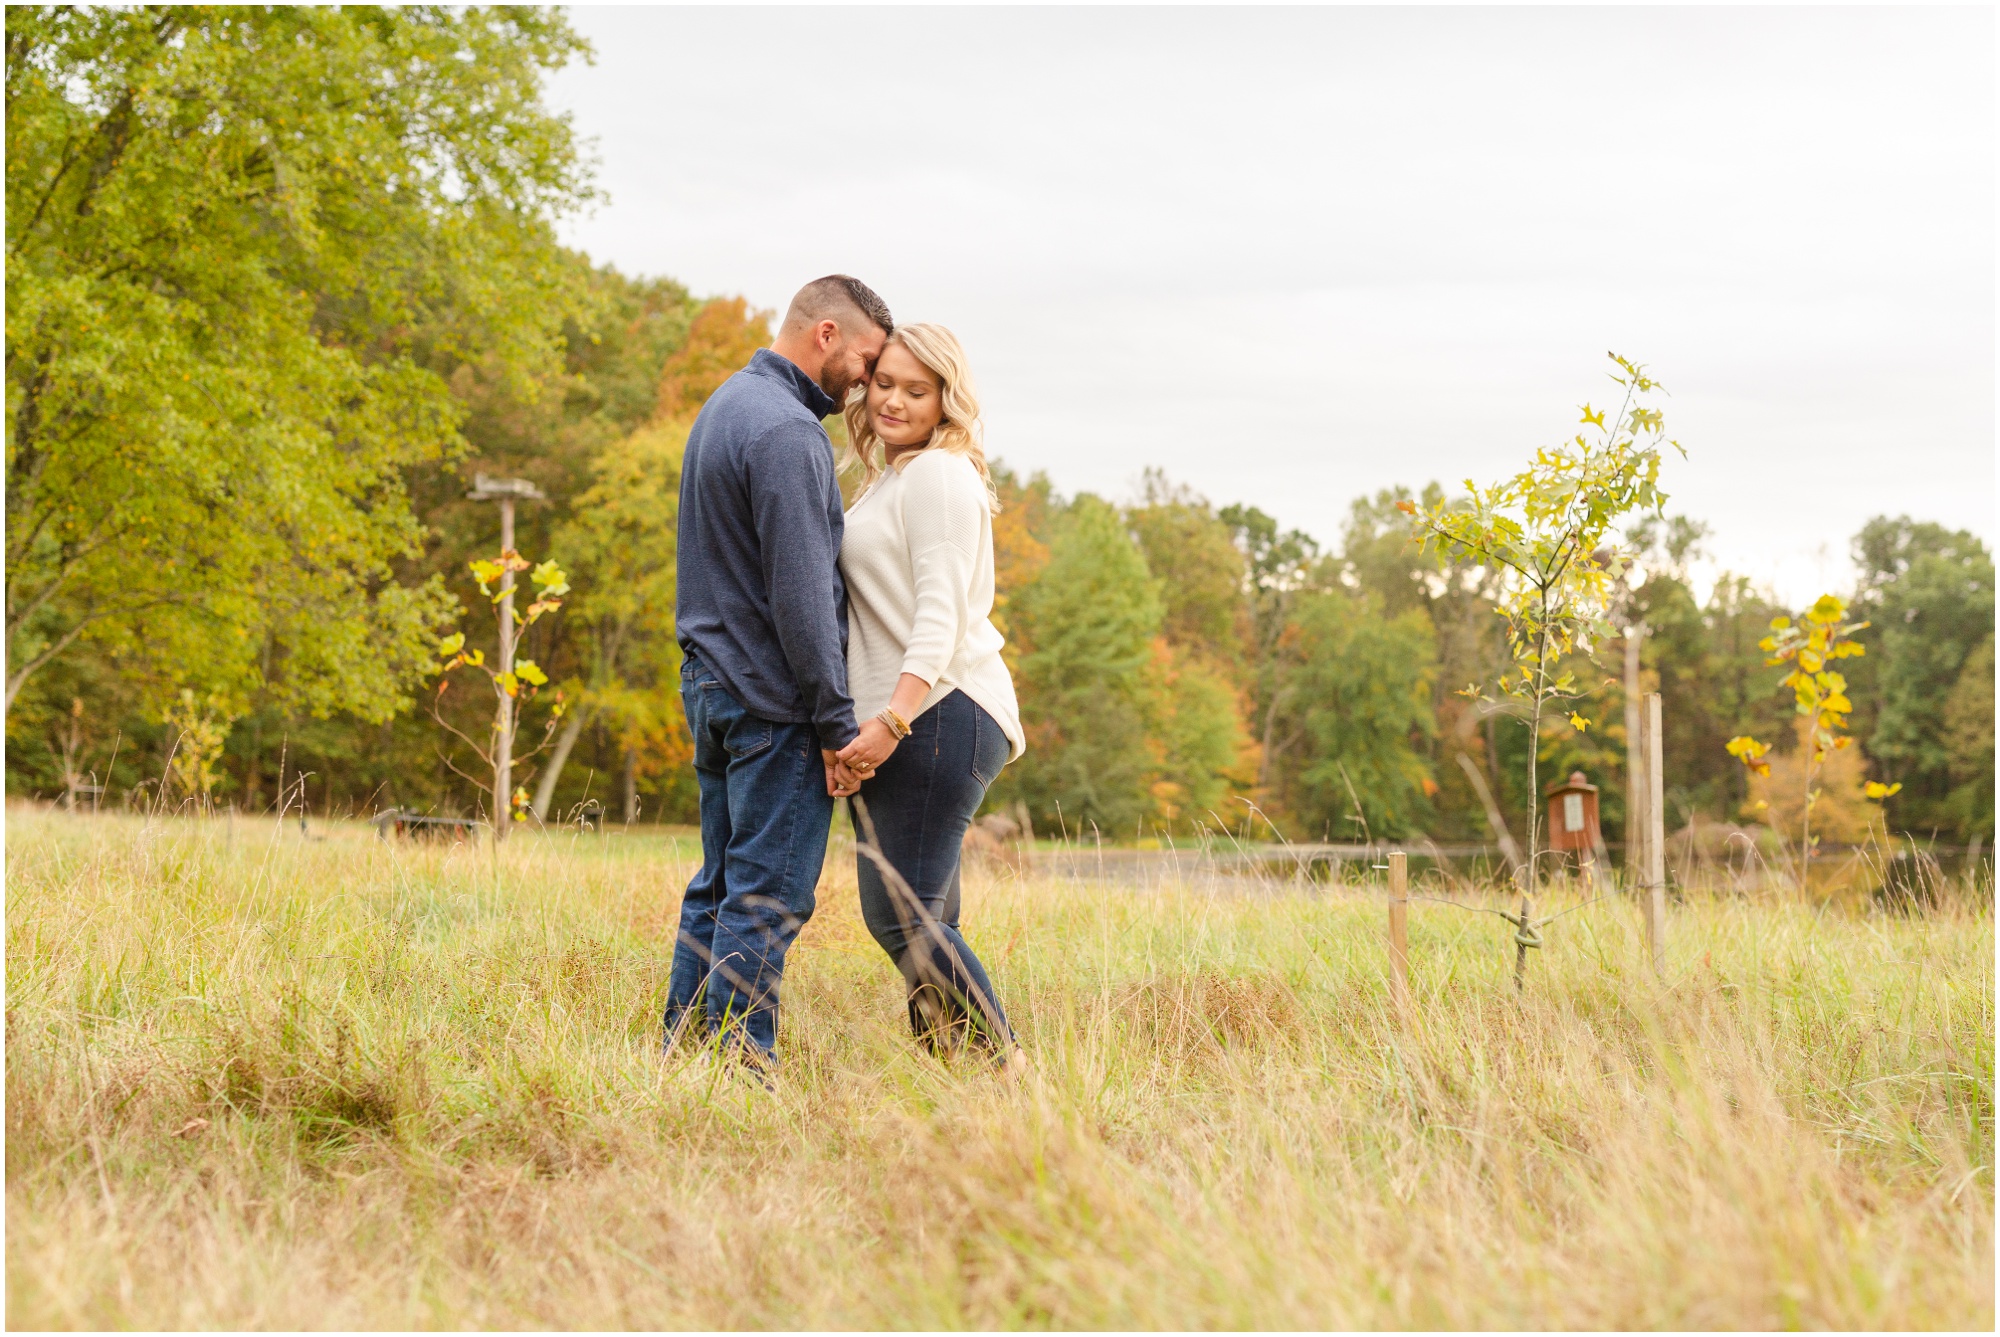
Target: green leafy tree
{"type": "Point", "coordinates": [1547, 530]}
{"type": "Point", "coordinates": [1282, 564]}
{"type": "Point", "coordinates": [246, 246]}
{"type": "Point", "coordinates": [1201, 749]}
{"type": "Point", "coordinates": [1195, 735]}
{"type": "Point", "coordinates": [1379, 559]}
{"type": "Point", "coordinates": [547, 429]}
{"type": "Point", "coordinates": [1357, 724]}
{"type": "Point", "coordinates": [1192, 552]}
{"type": "Point", "coordinates": [1968, 721]}
{"type": "Point", "coordinates": [1702, 658]}
{"type": "Point", "coordinates": [1088, 623]}
{"type": "Point", "coordinates": [621, 537]}
{"type": "Point", "coordinates": [1927, 592]}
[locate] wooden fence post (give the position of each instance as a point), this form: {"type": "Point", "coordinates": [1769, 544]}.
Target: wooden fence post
{"type": "Point", "coordinates": [1655, 867]}
{"type": "Point", "coordinates": [1399, 936]}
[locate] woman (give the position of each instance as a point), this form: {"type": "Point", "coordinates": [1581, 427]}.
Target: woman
{"type": "Point", "coordinates": [936, 703]}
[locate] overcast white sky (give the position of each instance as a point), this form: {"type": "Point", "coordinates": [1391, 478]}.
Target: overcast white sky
{"type": "Point", "coordinates": [1293, 256]}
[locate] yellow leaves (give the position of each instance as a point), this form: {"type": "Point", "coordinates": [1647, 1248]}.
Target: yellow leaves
{"type": "Point", "coordinates": [1810, 661]}
{"type": "Point", "coordinates": [1578, 722]}
{"type": "Point", "coordinates": [1751, 753]}
{"type": "Point", "coordinates": [1826, 609]}
{"type": "Point", "coordinates": [1407, 507]}
{"type": "Point", "coordinates": [1595, 416]}
{"type": "Point", "coordinates": [1779, 623]}
{"type": "Point", "coordinates": [1876, 790]}
{"type": "Point", "coordinates": [530, 672]}
{"type": "Point", "coordinates": [550, 577]}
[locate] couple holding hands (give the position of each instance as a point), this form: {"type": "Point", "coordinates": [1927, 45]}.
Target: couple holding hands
{"type": "Point", "coordinates": [834, 654]}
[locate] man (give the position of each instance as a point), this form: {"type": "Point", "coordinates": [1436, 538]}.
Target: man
{"type": "Point", "coordinates": [761, 615]}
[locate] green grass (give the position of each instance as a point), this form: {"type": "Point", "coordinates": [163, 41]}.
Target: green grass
{"type": "Point", "coordinates": [254, 1081]}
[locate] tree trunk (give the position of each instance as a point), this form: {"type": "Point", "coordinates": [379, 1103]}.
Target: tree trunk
{"type": "Point", "coordinates": [545, 788]}
{"type": "Point", "coordinates": [1495, 819]}
{"type": "Point", "coordinates": [630, 784]}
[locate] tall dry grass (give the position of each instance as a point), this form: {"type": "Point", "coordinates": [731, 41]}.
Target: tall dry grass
{"type": "Point", "coordinates": [254, 1081]}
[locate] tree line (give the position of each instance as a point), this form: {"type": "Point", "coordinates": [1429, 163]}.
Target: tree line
{"type": "Point", "coordinates": [280, 282]}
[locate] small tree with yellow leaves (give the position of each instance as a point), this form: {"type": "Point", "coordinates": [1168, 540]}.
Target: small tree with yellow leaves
{"type": "Point", "coordinates": [514, 681]}
{"type": "Point", "coordinates": [201, 727]}
{"type": "Point", "coordinates": [1546, 531]}
{"type": "Point", "coordinates": [1812, 645]}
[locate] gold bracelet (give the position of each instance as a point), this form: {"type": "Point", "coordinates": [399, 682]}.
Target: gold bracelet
{"type": "Point", "coordinates": [897, 724]}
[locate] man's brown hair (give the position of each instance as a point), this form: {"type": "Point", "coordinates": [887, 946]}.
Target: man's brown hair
{"type": "Point", "coordinates": [839, 298]}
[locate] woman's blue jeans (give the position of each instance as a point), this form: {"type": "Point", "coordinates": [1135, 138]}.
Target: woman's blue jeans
{"type": "Point", "coordinates": [919, 804]}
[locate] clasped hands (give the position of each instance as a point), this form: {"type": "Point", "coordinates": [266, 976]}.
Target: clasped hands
{"type": "Point", "coordinates": [855, 763]}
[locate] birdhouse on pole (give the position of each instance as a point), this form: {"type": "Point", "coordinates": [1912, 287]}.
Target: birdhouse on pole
{"type": "Point", "coordinates": [1573, 815]}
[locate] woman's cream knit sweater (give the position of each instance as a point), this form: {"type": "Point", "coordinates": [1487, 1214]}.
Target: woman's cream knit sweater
{"type": "Point", "coordinates": [918, 560]}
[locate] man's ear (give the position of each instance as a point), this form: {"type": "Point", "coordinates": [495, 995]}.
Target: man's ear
{"type": "Point", "coordinates": [827, 335]}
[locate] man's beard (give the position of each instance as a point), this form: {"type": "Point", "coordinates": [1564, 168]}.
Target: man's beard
{"type": "Point", "coordinates": [834, 377]}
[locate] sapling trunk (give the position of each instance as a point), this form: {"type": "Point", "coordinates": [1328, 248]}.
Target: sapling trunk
{"type": "Point", "coordinates": [1535, 749]}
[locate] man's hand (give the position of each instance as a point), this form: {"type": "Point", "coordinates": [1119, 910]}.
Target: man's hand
{"type": "Point", "coordinates": [840, 780]}
{"type": "Point", "coordinates": [870, 748]}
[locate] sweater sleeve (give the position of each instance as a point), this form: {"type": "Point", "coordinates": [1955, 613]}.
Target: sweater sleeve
{"type": "Point", "coordinates": [795, 502]}
{"type": "Point", "coordinates": [943, 509]}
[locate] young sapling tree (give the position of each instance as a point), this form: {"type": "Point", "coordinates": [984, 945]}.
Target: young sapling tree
{"type": "Point", "coordinates": [514, 681]}
{"type": "Point", "coordinates": [1547, 532]}
{"type": "Point", "coordinates": [1812, 645]}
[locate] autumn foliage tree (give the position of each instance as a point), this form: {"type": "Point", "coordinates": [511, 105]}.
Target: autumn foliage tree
{"type": "Point", "coordinates": [1820, 639]}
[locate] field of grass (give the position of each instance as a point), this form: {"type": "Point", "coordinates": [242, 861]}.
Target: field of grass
{"type": "Point", "coordinates": [258, 1081]}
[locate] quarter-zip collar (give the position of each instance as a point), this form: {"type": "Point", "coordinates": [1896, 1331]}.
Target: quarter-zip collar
{"type": "Point", "coordinates": [788, 373]}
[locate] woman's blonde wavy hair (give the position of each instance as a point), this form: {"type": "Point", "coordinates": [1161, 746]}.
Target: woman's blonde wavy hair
{"type": "Point", "coordinates": [959, 431]}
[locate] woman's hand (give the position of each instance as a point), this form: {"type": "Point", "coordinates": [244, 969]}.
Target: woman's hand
{"type": "Point", "coordinates": [870, 748]}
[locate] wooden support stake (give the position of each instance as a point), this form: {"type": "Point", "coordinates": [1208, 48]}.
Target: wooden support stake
{"type": "Point", "coordinates": [1655, 869]}
{"type": "Point", "coordinates": [1635, 759]}
{"type": "Point", "coordinates": [1399, 936]}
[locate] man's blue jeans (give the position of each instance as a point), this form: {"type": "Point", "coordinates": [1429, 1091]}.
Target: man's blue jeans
{"type": "Point", "coordinates": [764, 818]}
